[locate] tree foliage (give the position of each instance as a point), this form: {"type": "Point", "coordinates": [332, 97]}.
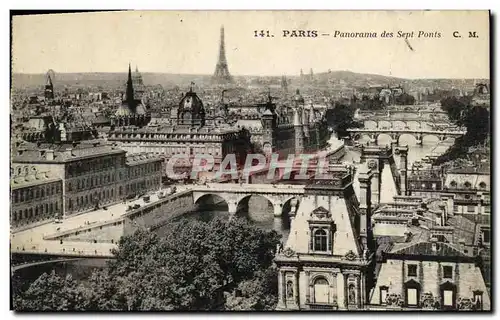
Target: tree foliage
{"type": "Point", "coordinates": [340, 118]}
{"type": "Point", "coordinates": [189, 268]}
{"type": "Point", "coordinates": [52, 292]}
{"type": "Point", "coordinates": [259, 293]}
{"type": "Point", "coordinates": [476, 119]}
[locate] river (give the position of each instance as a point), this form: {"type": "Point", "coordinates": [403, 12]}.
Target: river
{"type": "Point", "coordinates": [260, 210]}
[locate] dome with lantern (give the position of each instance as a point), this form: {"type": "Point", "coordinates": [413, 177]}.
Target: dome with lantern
{"type": "Point", "coordinates": [191, 110]}
{"type": "Point", "coordinates": [298, 98]}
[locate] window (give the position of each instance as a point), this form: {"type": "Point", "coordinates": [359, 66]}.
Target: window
{"type": "Point", "coordinates": [412, 270]}
{"type": "Point", "coordinates": [471, 209]}
{"type": "Point", "coordinates": [320, 240]}
{"type": "Point", "coordinates": [482, 185]}
{"type": "Point", "coordinates": [455, 208]}
{"type": "Point", "coordinates": [486, 236]}
{"type": "Point", "coordinates": [478, 300]}
{"type": "Point", "coordinates": [383, 294]}
{"type": "Point", "coordinates": [453, 184]}
{"type": "Point", "coordinates": [447, 272]}
{"type": "Point", "coordinates": [321, 291]}
{"type": "Point", "coordinates": [467, 185]}
{"type": "Point", "coordinates": [448, 298]}
{"type": "Point", "coordinates": [412, 296]}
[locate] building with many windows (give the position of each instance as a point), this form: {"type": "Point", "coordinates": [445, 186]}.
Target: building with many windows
{"type": "Point", "coordinates": [430, 275]}
{"type": "Point", "coordinates": [327, 262]}
{"type": "Point", "coordinates": [93, 174]}
{"type": "Point", "coordinates": [468, 190]}
{"type": "Point", "coordinates": [36, 197]}
{"type": "Point", "coordinates": [188, 134]}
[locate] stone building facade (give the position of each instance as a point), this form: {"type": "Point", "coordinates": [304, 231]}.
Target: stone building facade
{"type": "Point", "coordinates": [36, 197]}
{"type": "Point", "coordinates": [430, 275]}
{"type": "Point", "coordinates": [93, 174]}
{"type": "Point", "coordinates": [327, 261]}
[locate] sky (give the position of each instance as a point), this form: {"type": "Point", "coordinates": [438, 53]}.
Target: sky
{"type": "Point", "coordinates": [187, 42]}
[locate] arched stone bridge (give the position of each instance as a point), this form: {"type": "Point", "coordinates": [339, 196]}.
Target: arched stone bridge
{"type": "Point", "coordinates": [395, 134]}
{"type": "Point", "coordinates": [414, 124]}
{"type": "Point", "coordinates": [236, 195]}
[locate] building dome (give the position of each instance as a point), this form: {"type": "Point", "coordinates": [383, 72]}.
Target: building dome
{"type": "Point", "coordinates": [298, 98]}
{"type": "Point", "coordinates": [191, 102]}
{"type": "Point", "coordinates": [191, 111]}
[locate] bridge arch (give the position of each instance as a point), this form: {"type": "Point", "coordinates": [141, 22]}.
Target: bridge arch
{"type": "Point", "coordinates": [383, 139]}
{"type": "Point", "coordinates": [413, 125]}
{"type": "Point", "coordinates": [398, 124]}
{"type": "Point", "coordinates": [370, 124]}
{"type": "Point", "coordinates": [384, 124]}
{"type": "Point", "coordinates": [430, 139]}
{"type": "Point", "coordinates": [210, 201]}
{"type": "Point", "coordinates": [408, 139]}
{"type": "Point", "coordinates": [259, 212]}
{"type": "Point", "coordinates": [426, 126]}
{"type": "Point", "coordinates": [290, 205]}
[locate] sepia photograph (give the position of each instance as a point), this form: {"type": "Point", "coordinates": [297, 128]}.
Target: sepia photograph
{"type": "Point", "coordinates": [223, 161]}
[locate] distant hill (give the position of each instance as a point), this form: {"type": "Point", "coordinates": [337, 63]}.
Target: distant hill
{"type": "Point", "coordinates": [118, 80]}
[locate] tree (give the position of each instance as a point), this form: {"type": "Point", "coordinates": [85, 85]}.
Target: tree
{"type": "Point", "coordinates": [404, 99]}
{"type": "Point", "coordinates": [259, 293]}
{"type": "Point", "coordinates": [340, 118]}
{"type": "Point", "coordinates": [51, 292]}
{"type": "Point", "coordinates": [189, 268]}
{"type": "Point", "coordinates": [476, 119]}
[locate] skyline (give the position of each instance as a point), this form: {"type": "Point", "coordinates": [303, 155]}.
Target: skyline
{"type": "Point", "coordinates": [67, 43]}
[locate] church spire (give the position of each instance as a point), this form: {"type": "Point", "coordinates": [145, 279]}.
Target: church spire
{"type": "Point", "coordinates": [130, 88]}
{"type": "Point", "coordinates": [49, 88]}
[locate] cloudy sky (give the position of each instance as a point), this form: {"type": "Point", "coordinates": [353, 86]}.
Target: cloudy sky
{"type": "Point", "coordinates": [187, 42]}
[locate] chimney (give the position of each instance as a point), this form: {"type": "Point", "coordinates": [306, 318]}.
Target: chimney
{"type": "Point", "coordinates": [365, 205]}
{"type": "Point", "coordinates": [444, 216]}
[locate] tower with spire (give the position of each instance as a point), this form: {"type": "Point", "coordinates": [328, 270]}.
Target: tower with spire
{"type": "Point", "coordinates": [221, 74]}
{"type": "Point", "coordinates": [129, 94]}
{"type": "Point", "coordinates": [49, 88]}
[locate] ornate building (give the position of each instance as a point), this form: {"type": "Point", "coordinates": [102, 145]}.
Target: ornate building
{"type": "Point", "coordinates": [133, 110]}
{"type": "Point", "coordinates": [327, 262]}
{"type": "Point", "coordinates": [468, 191]}
{"type": "Point", "coordinates": [430, 275]}
{"type": "Point", "coordinates": [188, 133]}
{"type": "Point", "coordinates": [93, 174]}
{"type": "Point", "coordinates": [307, 132]}
{"type": "Point", "coordinates": [36, 197]}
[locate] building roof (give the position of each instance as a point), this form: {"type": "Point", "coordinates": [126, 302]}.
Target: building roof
{"type": "Point", "coordinates": [32, 178]}
{"type": "Point", "coordinates": [474, 180]}
{"type": "Point", "coordinates": [425, 248]}
{"type": "Point", "coordinates": [168, 129]}
{"type": "Point", "coordinates": [463, 230]}
{"type": "Point", "coordinates": [138, 158]}
{"type": "Point", "coordinates": [63, 152]}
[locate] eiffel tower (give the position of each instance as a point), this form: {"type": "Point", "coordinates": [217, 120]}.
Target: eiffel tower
{"type": "Point", "coordinates": [221, 74]}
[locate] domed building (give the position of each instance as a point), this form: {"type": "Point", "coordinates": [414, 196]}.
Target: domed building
{"type": "Point", "coordinates": [190, 111]}
{"type": "Point", "coordinates": [188, 133]}
{"type": "Point", "coordinates": [133, 110]}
